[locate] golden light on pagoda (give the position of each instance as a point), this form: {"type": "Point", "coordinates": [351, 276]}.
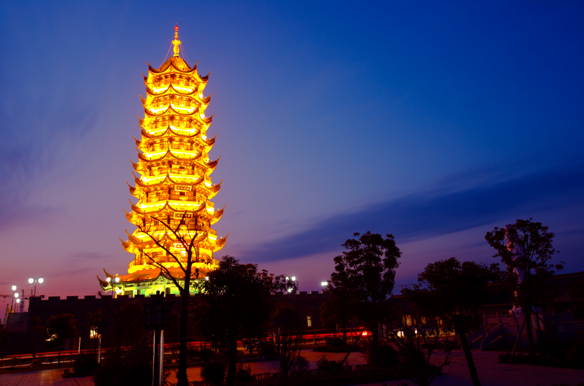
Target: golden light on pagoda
{"type": "Point", "coordinates": [174, 175]}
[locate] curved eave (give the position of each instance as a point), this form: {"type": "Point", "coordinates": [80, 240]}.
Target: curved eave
{"type": "Point", "coordinates": [210, 141]}
{"type": "Point", "coordinates": [217, 215]}
{"type": "Point", "coordinates": [213, 164]}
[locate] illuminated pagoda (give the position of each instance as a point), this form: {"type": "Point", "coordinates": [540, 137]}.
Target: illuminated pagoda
{"type": "Point", "coordinates": [174, 183]}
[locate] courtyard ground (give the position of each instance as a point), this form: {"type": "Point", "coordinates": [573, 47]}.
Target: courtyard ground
{"type": "Point", "coordinates": [490, 372]}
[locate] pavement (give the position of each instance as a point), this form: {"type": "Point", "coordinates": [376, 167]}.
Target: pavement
{"type": "Point", "coordinates": [491, 373]}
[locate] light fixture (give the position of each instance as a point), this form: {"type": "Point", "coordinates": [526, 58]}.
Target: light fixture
{"type": "Point", "coordinates": [293, 278]}
{"type": "Point", "coordinates": [30, 281]}
{"type": "Point", "coordinates": [41, 280]}
{"type": "Point", "coordinates": [17, 300]}
{"type": "Point", "coordinates": [108, 279]}
{"type": "Point", "coordinates": [324, 283]}
{"type": "Point", "coordinates": [287, 278]}
{"type": "Point", "coordinates": [289, 290]}
{"type": "Point", "coordinates": [117, 279]}
{"type": "Point", "coordinates": [16, 295]}
{"type": "Point", "coordinates": [13, 288]}
{"type": "Point", "coordinates": [207, 278]}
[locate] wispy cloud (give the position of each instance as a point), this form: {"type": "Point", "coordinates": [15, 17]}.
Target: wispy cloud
{"type": "Point", "coordinates": [440, 210]}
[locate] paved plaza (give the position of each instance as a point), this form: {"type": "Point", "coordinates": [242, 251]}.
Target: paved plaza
{"type": "Point", "coordinates": [490, 372]}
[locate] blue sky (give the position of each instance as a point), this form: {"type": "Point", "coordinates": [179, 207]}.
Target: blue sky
{"type": "Point", "coordinates": [431, 121]}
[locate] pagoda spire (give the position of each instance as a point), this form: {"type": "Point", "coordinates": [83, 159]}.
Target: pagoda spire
{"type": "Point", "coordinates": [176, 43]}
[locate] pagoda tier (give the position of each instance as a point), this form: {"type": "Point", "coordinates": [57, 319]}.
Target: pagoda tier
{"type": "Point", "coordinates": [174, 183]}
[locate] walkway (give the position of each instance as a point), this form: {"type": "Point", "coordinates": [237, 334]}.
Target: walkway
{"type": "Point", "coordinates": [490, 372]}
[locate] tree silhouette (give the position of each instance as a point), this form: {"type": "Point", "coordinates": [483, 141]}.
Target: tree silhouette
{"type": "Point", "coordinates": [453, 291]}
{"type": "Point", "coordinates": [366, 271]}
{"type": "Point", "coordinates": [526, 248]}
{"type": "Point", "coordinates": [235, 305]}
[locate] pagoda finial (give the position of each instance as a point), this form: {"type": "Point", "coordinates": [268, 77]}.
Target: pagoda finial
{"type": "Point", "coordinates": [176, 43]}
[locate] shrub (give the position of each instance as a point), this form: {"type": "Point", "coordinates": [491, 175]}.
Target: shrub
{"type": "Point", "coordinates": [206, 354]}
{"type": "Point", "coordinates": [243, 375]}
{"type": "Point", "coordinates": [301, 364]}
{"type": "Point", "coordinates": [213, 372]}
{"type": "Point", "coordinates": [328, 366]}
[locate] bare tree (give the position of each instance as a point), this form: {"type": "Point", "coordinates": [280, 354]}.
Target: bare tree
{"type": "Point", "coordinates": [181, 233]}
{"type": "Point", "coordinates": [417, 339]}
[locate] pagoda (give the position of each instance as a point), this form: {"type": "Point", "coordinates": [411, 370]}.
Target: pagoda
{"type": "Point", "coordinates": [174, 188]}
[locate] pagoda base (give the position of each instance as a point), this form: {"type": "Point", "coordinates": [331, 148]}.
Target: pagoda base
{"type": "Point", "coordinates": [146, 282]}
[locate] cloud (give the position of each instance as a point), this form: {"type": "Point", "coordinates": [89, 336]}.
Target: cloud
{"type": "Point", "coordinates": [437, 211]}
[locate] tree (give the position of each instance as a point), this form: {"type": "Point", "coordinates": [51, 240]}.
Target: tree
{"type": "Point", "coordinates": [454, 291]}
{"type": "Point", "coordinates": [366, 271]}
{"type": "Point", "coordinates": [287, 332]}
{"type": "Point", "coordinates": [526, 248]}
{"type": "Point", "coordinates": [235, 305]}
{"type": "Point", "coordinates": [58, 329]}
{"type": "Point", "coordinates": [184, 232]}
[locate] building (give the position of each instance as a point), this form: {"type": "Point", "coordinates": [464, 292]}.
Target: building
{"type": "Point", "coordinates": [174, 213]}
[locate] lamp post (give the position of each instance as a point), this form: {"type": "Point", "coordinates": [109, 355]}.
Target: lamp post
{"type": "Point", "coordinates": [35, 280]}
{"type": "Point", "coordinates": [157, 320]}
{"type": "Point", "coordinates": [291, 284]}
{"type": "Point", "coordinates": [14, 295]}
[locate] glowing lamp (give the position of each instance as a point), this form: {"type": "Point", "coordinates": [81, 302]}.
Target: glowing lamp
{"type": "Point", "coordinates": [13, 288]}
{"type": "Point", "coordinates": [16, 295]}
{"type": "Point", "coordinates": [287, 278]}
{"type": "Point", "coordinates": [17, 300]}
{"type": "Point", "coordinates": [30, 281]}
{"type": "Point", "coordinates": [364, 333]}
{"type": "Point", "coordinates": [41, 280]}
{"type": "Point", "coordinates": [289, 290]}
{"type": "Point", "coordinates": [324, 283]}
{"type": "Point", "coordinates": [108, 279]}
{"type": "Point", "coordinates": [293, 278]}
{"type": "Point", "coordinates": [117, 279]}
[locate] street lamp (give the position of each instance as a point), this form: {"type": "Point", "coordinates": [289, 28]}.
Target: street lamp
{"type": "Point", "coordinates": [290, 284]}
{"type": "Point", "coordinates": [35, 280]}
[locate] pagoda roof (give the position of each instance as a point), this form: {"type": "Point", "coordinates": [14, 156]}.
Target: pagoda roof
{"type": "Point", "coordinates": [166, 180]}
{"type": "Point", "coordinates": [178, 65]}
{"type": "Point", "coordinates": [172, 90]}
{"type": "Point", "coordinates": [207, 120]}
{"type": "Point", "coordinates": [167, 205]}
{"type": "Point", "coordinates": [169, 130]}
{"type": "Point", "coordinates": [169, 154]}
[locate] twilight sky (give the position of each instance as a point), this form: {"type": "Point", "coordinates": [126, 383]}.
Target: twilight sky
{"type": "Point", "coordinates": [434, 122]}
